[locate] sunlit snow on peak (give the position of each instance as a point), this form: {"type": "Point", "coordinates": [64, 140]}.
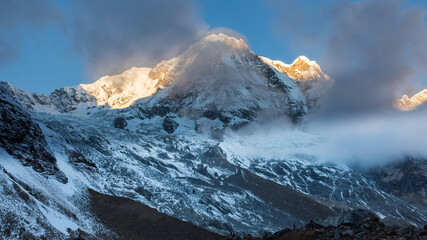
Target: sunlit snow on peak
{"type": "Point", "coordinates": [301, 69]}
{"type": "Point", "coordinates": [410, 103]}
{"type": "Point", "coordinates": [121, 91]}
{"type": "Point", "coordinates": [222, 38]}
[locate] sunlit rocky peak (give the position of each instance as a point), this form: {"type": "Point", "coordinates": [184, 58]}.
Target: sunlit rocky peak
{"type": "Point", "coordinates": [302, 69]}
{"type": "Point", "coordinates": [309, 76]}
{"type": "Point", "coordinates": [409, 103]}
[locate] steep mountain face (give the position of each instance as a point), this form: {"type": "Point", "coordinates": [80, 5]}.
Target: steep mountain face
{"type": "Point", "coordinates": [308, 75]}
{"type": "Point", "coordinates": [407, 179]}
{"type": "Point", "coordinates": [407, 104]}
{"type": "Point", "coordinates": [220, 76]}
{"type": "Point", "coordinates": [165, 137]}
{"type": "Point", "coordinates": [22, 138]}
{"type": "Point", "coordinates": [134, 221]}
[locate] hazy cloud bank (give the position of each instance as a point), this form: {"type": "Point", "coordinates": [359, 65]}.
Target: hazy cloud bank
{"type": "Point", "coordinates": [116, 35]}
{"type": "Point", "coordinates": [363, 141]}
{"type": "Point", "coordinates": [371, 48]}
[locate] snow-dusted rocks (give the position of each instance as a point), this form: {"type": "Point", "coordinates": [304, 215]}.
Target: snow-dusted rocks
{"type": "Point", "coordinates": [22, 138]}
{"type": "Point", "coordinates": [63, 100]}
{"type": "Point", "coordinates": [169, 124]}
{"type": "Point", "coordinates": [309, 76]}
{"type": "Point", "coordinates": [120, 122]}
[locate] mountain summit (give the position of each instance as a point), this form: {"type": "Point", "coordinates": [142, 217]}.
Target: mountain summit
{"type": "Point", "coordinates": [309, 76]}
{"type": "Point", "coordinates": [220, 75]}
{"type": "Point", "coordinates": [409, 103]}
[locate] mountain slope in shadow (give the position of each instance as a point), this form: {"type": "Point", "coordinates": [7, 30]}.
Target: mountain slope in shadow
{"type": "Point", "coordinates": [133, 220]}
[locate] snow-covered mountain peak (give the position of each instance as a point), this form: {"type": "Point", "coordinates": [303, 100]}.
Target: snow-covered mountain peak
{"type": "Point", "coordinates": [308, 74]}
{"type": "Point", "coordinates": [301, 69]}
{"type": "Point", "coordinates": [409, 103]}
{"type": "Point", "coordinates": [208, 52]}
{"type": "Point", "coordinates": [122, 90]}
{"type": "Point", "coordinates": [221, 74]}
{"type": "Point", "coordinates": [223, 39]}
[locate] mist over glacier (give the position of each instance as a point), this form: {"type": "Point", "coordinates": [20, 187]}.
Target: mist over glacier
{"type": "Point", "coordinates": [363, 141]}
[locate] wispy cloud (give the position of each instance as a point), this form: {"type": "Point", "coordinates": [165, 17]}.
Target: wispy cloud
{"type": "Point", "coordinates": [371, 48]}
{"type": "Point", "coordinates": [363, 141]}
{"type": "Point", "coordinates": [116, 35]}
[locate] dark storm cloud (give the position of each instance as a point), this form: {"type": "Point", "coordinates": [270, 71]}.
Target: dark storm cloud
{"type": "Point", "coordinates": [116, 35]}
{"type": "Point", "coordinates": [371, 48]}
{"type": "Point", "coordinates": [16, 13]}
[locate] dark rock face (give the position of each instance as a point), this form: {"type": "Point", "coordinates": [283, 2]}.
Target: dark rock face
{"type": "Point", "coordinates": [407, 179]}
{"type": "Point", "coordinates": [78, 160]}
{"type": "Point", "coordinates": [169, 124]}
{"type": "Point", "coordinates": [120, 122]}
{"type": "Point", "coordinates": [133, 220]}
{"type": "Point", "coordinates": [23, 139]}
{"type": "Point", "coordinates": [357, 216]}
{"type": "Point", "coordinates": [348, 217]}
{"type": "Point", "coordinates": [157, 110]}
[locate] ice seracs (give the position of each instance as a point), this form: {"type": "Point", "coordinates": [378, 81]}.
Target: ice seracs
{"type": "Point", "coordinates": [409, 103]}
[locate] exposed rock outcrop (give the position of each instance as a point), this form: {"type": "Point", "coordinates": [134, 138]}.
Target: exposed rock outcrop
{"type": "Point", "coordinates": [22, 138]}
{"type": "Point", "coordinates": [120, 122]}
{"type": "Point", "coordinates": [169, 124]}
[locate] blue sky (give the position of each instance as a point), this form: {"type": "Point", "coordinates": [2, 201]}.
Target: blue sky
{"type": "Point", "coordinates": [252, 18]}
{"type": "Point", "coordinates": [47, 59]}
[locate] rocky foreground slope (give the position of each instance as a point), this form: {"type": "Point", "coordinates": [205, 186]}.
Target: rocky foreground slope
{"type": "Point", "coordinates": [356, 224]}
{"type": "Point", "coordinates": [166, 138]}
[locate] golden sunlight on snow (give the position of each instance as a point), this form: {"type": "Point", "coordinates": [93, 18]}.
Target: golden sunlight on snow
{"type": "Point", "coordinates": [302, 69]}
{"type": "Point", "coordinates": [121, 91]}
{"type": "Point", "coordinates": [409, 103]}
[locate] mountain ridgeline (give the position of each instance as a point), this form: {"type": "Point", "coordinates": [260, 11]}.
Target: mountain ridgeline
{"type": "Point", "coordinates": [217, 77]}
